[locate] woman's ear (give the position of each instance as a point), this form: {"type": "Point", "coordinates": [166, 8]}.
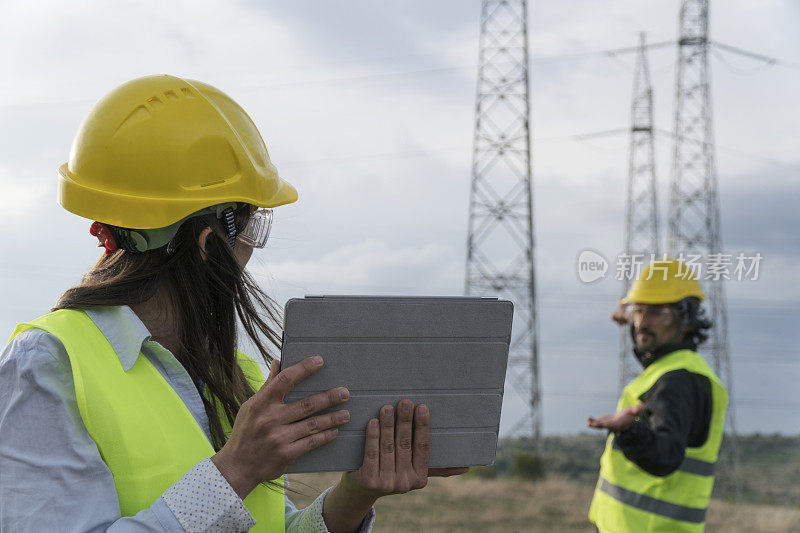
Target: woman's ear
{"type": "Point", "coordinates": [202, 239]}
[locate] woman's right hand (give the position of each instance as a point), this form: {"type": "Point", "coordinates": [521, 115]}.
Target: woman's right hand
{"type": "Point", "coordinates": [269, 435]}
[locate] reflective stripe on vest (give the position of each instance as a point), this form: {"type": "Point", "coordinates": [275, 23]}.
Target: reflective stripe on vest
{"type": "Point", "coordinates": [145, 434]}
{"type": "Point", "coordinates": [629, 499]}
{"type": "Point", "coordinates": [697, 467]}
{"type": "Point", "coordinates": [652, 505]}
{"type": "Point", "coordinates": [692, 466]}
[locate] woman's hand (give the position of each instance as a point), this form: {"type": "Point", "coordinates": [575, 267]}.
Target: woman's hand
{"type": "Point", "coordinates": [268, 435]}
{"type": "Point", "coordinates": [395, 462]}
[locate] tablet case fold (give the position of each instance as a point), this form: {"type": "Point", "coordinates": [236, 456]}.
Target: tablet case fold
{"type": "Point", "coordinates": [447, 352]}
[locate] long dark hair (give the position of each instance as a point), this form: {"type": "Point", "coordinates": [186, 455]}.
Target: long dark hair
{"type": "Point", "coordinates": [207, 295]}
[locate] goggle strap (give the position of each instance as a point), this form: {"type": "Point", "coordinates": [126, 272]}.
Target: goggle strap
{"type": "Point", "coordinates": [230, 226]}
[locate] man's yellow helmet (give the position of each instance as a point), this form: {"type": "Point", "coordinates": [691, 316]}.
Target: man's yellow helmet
{"type": "Point", "coordinates": [663, 282]}
{"type": "Point", "coordinates": [159, 148]}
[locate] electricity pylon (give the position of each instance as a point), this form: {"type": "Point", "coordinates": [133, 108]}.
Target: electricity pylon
{"type": "Point", "coordinates": [500, 242]}
{"type": "Point", "coordinates": [641, 215]}
{"type": "Point", "coordinates": [694, 218]}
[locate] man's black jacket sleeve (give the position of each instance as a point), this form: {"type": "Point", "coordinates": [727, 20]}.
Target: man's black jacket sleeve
{"type": "Point", "coordinates": [677, 414]}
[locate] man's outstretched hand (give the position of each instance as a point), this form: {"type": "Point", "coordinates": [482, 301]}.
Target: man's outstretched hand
{"type": "Point", "coordinates": [619, 315]}
{"type": "Point", "coordinates": [619, 421]}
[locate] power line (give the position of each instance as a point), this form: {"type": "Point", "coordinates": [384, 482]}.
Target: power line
{"type": "Point", "coordinates": [382, 156]}
{"type": "Point", "coordinates": [374, 76]}
{"type": "Point", "coordinates": [595, 351]}
{"type": "Point", "coordinates": [740, 70]}
{"type": "Point", "coordinates": [754, 55]}
{"type": "Point", "coordinates": [610, 53]}
{"type": "Point", "coordinates": [36, 272]}
{"type": "Point", "coordinates": [671, 135]}
{"type": "Point", "coordinates": [735, 151]}
{"type": "Point", "coordinates": [610, 396]}
{"type": "Point", "coordinates": [579, 137]}
{"type": "Point", "coordinates": [647, 46]}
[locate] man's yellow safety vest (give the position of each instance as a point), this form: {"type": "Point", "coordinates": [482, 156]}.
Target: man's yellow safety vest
{"type": "Point", "coordinates": [144, 432]}
{"type": "Point", "coordinates": [629, 500]}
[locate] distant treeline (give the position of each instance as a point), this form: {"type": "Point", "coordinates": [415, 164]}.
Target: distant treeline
{"type": "Point", "coordinates": [769, 464]}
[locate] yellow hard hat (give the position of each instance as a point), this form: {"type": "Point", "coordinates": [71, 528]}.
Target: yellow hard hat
{"type": "Point", "coordinates": [663, 282]}
{"type": "Point", "coordinates": [159, 148]}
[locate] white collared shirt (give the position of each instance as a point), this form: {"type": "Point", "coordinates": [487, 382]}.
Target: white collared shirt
{"type": "Point", "coordinates": [53, 477]}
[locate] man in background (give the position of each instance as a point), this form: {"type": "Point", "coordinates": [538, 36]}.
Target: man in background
{"type": "Point", "coordinates": [657, 471]}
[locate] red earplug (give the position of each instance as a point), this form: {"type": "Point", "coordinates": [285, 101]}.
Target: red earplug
{"type": "Point", "coordinates": [103, 235]}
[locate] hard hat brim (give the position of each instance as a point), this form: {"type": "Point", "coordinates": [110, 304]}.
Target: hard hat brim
{"type": "Point", "coordinates": [132, 211]}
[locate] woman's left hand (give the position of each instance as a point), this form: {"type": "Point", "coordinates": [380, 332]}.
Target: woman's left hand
{"type": "Point", "coordinates": [395, 462]}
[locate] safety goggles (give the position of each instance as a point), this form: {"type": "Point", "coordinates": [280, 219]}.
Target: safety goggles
{"type": "Point", "coordinates": [651, 312]}
{"type": "Point", "coordinates": [256, 231]}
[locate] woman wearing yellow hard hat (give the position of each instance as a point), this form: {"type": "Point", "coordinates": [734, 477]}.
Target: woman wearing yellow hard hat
{"type": "Point", "coordinates": [129, 407]}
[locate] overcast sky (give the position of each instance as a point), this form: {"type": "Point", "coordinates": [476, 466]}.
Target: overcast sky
{"type": "Point", "coordinates": [367, 107]}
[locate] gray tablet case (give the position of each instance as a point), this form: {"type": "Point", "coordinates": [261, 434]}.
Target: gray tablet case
{"type": "Point", "coordinates": [449, 353]}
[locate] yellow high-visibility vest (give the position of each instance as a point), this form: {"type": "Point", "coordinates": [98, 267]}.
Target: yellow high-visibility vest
{"type": "Point", "coordinates": [144, 432]}
{"type": "Point", "coordinates": [629, 500]}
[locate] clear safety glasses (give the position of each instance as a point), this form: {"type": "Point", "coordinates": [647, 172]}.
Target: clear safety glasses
{"type": "Point", "coordinates": [256, 232]}
{"type": "Point", "coordinates": [651, 312]}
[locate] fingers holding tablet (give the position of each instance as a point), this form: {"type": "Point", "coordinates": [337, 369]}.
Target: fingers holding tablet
{"type": "Point", "coordinates": [397, 452]}
{"type": "Point", "coordinates": [422, 441]}
{"type": "Point", "coordinates": [313, 404]}
{"type": "Point", "coordinates": [284, 380]}
{"type": "Point", "coordinates": [269, 435]}
{"type": "Point", "coordinates": [387, 444]}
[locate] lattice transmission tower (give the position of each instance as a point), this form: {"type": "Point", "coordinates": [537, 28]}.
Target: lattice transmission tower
{"type": "Point", "coordinates": [500, 244]}
{"type": "Point", "coordinates": [694, 217]}
{"type": "Point", "coordinates": [641, 214]}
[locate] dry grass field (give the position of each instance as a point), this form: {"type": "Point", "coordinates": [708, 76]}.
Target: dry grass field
{"type": "Point", "coordinates": [506, 504]}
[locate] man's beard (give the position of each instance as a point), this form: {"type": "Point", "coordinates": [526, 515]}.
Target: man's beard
{"type": "Point", "coordinates": [650, 345]}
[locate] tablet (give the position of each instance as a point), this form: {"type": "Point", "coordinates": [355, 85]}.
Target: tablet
{"type": "Point", "coordinates": [449, 353]}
